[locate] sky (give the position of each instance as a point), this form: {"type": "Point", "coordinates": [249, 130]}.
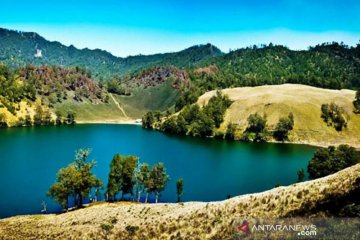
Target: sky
{"type": "Point", "coordinates": [146, 27]}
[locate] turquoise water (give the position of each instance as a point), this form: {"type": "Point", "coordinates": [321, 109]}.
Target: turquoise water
{"type": "Point", "coordinates": [212, 169]}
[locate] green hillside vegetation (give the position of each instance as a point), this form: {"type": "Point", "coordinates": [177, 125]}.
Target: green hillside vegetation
{"type": "Point", "coordinates": [157, 98]}
{"type": "Point", "coordinates": [19, 48]}
{"type": "Point", "coordinates": [60, 90]}
{"type": "Point", "coordinates": [328, 65]}
{"type": "Point", "coordinates": [31, 95]}
{"type": "Point", "coordinates": [192, 120]}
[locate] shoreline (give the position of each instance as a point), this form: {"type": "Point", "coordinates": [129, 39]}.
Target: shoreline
{"type": "Point", "coordinates": [88, 220]}
{"type": "Point", "coordinates": [127, 122]}
{"type": "Point", "coordinates": [139, 123]}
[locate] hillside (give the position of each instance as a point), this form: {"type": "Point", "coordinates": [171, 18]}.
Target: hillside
{"type": "Point", "coordinates": [327, 65]}
{"type": "Point", "coordinates": [191, 220]}
{"type": "Point", "coordinates": [20, 48]}
{"type": "Point", "coordinates": [74, 90]}
{"type": "Point", "coordinates": [303, 101]}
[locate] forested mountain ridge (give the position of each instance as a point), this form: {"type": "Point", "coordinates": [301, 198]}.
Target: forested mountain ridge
{"type": "Point", "coordinates": [20, 48]}
{"type": "Point", "coordinates": [329, 65]}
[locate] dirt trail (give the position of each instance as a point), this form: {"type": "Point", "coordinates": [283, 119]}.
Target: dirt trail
{"type": "Point", "coordinates": [118, 105]}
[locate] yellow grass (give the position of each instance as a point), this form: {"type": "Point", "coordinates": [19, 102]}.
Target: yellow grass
{"type": "Point", "coordinates": [303, 101]}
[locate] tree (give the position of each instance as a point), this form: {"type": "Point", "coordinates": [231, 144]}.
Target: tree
{"type": "Point", "coordinates": [216, 107]}
{"type": "Point", "coordinates": [329, 160]}
{"type": "Point", "coordinates": [256, 123]}
{"type": "Point", "coordinates": [170, 125]}
{"type": "Point", "coordinates": [70, 119]}
{"type": "Point", "coordinates": [3, 122]}
{"type": "Point", "coordinates": [28, 120]}
{"type": "Point", "coordinates": [203, 126]}
{"type": "Point", "coordinates": [38, 116]}
{"type": "Point", "coordinates": [75, 180]}
{"type": "Point", "coordinates": [159, 179]}
{"type": "Point", "coordinates": [357, 101]}
{"type": "Point", "coordinates": [47, 117]}
{"type": "Point", "coordinates": [87, 180]}
{"type": "Point", "coordinates": [148, 184]}
{"type": "Point", "coordinates": [230, 131]}
{"type": "Point", "coordinates": [179, 188]}
{"type": "Point", "coordinates": [142, 179]}
{"type": "Point", "coordinates": [64, 187]}
{"type": "Point", "coordinates": [58, 120]}
{"type": "Point", "coordinates": [283, 127]}
{"type": "Point", "coordinates": [256, 130]}
{"type": "Point", "coordinates": [128, 169]}
{"type": "Point", "coordinates": [333, 115]}
{"type": "Point", "coordinates": [148, 120]}
{"type": "Point", "coordinates": [301, 175]}
{"type": "Point", "coordinates": [115, 176]}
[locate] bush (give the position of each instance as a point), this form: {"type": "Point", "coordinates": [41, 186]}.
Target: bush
{"type": "Point", "coordinates": [131, 229]}
{"type": "Point", "coordinates": [195, 121]}
{"type": "Point", "coordinates": [230, 131]}
{"type": "Point", "coordinates": [333, 115]}
{"type": "Point", "coordinates": [283, 127]}
{"type": "Point", "coordinates": [256, 130]}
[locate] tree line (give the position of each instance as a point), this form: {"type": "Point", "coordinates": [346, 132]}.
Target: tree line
{"type": "Point", "coordinates": [257, 129]}
{"type": "Point", "coordinates": [127, 176]}
{"type": "Point", "coordinates": [192, 120]}
{"type": "Point", "coordinates": [42, 117]}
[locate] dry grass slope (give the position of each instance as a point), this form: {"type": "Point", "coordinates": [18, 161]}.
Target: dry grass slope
{"type": "Point", "coordinates": [192, 220]}
{"type": "Point", "coordinates": [303, 101]}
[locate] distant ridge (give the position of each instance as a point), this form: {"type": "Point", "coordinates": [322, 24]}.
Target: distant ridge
{"type": "Point", "coordinates": [20, 48]}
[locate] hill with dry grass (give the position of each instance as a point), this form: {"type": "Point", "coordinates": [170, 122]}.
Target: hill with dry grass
{"type": "Point", "coordinates": [191, 220]}
{"type": "Point", "coordinates": [303, 101]}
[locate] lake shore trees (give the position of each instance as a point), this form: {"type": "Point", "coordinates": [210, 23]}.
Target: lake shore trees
{"type": "Point", "coordinates": [179, 188]}
{"type": "Point", "coordinates": [127, 176]}
{"type": "Point", "coordinates": [130, 177]}
{"type": "Point", "coordinates": [329, 160]}
{"type": "Point", "coordinates": [75, 180]}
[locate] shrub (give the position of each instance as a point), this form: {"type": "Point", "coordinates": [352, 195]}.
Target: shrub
{"type": "Point", "coordinates": [333, 115]}
{"type": "Point", "coordinates": [283, 127]}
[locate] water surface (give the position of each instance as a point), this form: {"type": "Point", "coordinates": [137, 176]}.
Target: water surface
{"type": "Point", "coordinates": [212, 169]}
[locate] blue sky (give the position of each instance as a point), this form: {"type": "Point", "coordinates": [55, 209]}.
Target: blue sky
{"type": "Point", "coordinates": [138, 26]}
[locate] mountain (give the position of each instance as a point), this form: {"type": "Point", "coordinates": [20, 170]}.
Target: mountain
{"type": "Point", "coordinates": [161, 81]}
{"type": "Point", "coordinates": [329, 65]}
{"type": "Point", "coordinates": [20, 48]}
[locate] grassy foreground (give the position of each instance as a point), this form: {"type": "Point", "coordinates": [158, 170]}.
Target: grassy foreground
{"type": "Point", "coordinates": [303, 101]}
{"type": "Point", "coordinates": [191, 220]}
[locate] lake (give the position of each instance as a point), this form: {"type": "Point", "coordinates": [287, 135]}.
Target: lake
{"type": "Point", "coordinates": [212, 169]}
